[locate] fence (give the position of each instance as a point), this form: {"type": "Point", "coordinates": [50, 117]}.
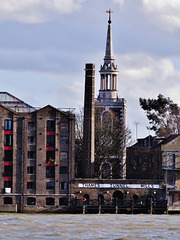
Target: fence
{"type": "Point", "coordinates": [119, 206]}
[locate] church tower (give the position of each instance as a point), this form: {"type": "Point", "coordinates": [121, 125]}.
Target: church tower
{"type": "Point", "coordinates": [110, 113]}
{"type": "Point", "coordinates": [108, 72]}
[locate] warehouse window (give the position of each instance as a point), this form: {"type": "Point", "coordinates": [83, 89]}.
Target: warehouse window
{"type": "Point", "coordinates": [8, 171]}
{"type": "Point", "coordinates": [7, 140]}
{"type": "Point", "coordinates": [63, 201]}
{"type": "Point", "coordinates": [64, 140]}
{"type": "Point", "coordinates": [50, 185]}
{"type": "Point", "coordinates": [50, 125]}
{"type": "Point", "coordinates": [7, 200]}
{"type": "Point", "coordinates": [31, 126]}
{"type": "Point", "coordinates": [63, 156]}
{"type": "Point", "coordinates": [31, 140]}
{"type": "Point", "coordinates": [31, 201]}
{"type": "Point", "coordinates": [7, 124]}
{"type": "Point", "coordinates": [7, 184]}
{"type": "Point", "coordinates": [63, 170]}
{"type": "Point", "coordinates": [31, 155]}
{"type": "Point", "coordinates": [50, 172]}
{"type": "Point", "coordinates": [50, 201]}
{"type": "Point", "coordinates": [8, 155]}
{"type": "Point", "coordinates": [50, 141]}
{"type": "Point", "coordinates": [30, 185]}
{"type": "Point", "coordinates": [30, 170]}
{"type": "Point", "coordinates": [171, 161]}
{"type": "Point", "coordinates": [63, 186]}
{"type": "Point", "coordinates": [50, 156]}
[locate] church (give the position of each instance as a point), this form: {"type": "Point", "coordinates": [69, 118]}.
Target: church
{"type": "Point", "coordinates": [103, 182]}
{"type": "Point", "coordinates": [105, 117]}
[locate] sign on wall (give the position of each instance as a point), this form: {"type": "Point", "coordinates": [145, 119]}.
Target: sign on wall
{"type": "Point", "coordinates": [115, 185]}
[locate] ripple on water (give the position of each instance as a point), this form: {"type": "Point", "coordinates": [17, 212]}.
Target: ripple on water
{"type": "Point", "coordinates": [96, 226]}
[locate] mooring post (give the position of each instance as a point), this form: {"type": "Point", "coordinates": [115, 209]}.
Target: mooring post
{"type": "Point", "coordinates": [99, 209]}
{"type": "Point", "coordinates": [116, 209]}
{"type": "Point", "coordinates": [167, 206]}
{"type": "Point", "coordinates": [84, 209]}
{"type": "Point", "coordinates": [151, 209]}
{"type": "Point", "coordinates": [132, 206]}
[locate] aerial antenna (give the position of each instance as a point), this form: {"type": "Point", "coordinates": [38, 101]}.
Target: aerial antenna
{"type": "Point", "coordinates": [136, 124]}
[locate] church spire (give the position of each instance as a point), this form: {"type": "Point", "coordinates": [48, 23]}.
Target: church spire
{"type": "Point", "coordinates": [109, 45]}
{"type": "Point", "coordinates": [108, 72]}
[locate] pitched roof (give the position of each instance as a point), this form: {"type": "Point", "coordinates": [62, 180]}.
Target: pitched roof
{"type": "Point", "coordinates": [14, 103]}
{"type": "Point", "coordinates": [169, 139]}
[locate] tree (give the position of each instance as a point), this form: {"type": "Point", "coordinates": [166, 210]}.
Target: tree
{"type": "Point", "coordinates": [79, 141]}
{"type": "Point", "coordinates": [163, 115]}
{"type": "Point", "coordinates": [110, 144]}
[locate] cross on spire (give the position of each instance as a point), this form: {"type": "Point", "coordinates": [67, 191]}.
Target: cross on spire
{"type": "Point", "coordinates": [109, 11]}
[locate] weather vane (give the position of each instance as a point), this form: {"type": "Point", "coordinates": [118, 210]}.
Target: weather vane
{"type": "Point", "coordinates": [109, 11]}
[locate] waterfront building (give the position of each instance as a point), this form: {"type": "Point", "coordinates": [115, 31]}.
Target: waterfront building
{"type": "Point", "coordinates": [157, 159]}
{"type": "Point", "coordinates": [140, 161]}
{"type": "Point", "coordinates": [37, 156]}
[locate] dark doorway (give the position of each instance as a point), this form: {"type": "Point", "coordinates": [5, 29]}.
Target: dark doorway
{"type": "Point", "coordinates": [135, 197]}
{"type": "Point", "coordinates": [86, 199]}
{"type": "Point", "coordinates": [101, 199]}
{"type": "Point", "coordinates": [117, 197]}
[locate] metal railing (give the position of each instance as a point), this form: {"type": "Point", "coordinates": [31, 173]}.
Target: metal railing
{"type": "Point", "coordinates": [122, 203]}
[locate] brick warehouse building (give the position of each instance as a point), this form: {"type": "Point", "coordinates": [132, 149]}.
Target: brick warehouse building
{"type": "Point", "coordinates": [157, 158]}
{"type": "Point", "coordinates": [37, 156]}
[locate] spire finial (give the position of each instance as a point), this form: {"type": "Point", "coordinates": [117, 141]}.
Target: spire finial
{"type": "Point", "coordinates": [109, 11]}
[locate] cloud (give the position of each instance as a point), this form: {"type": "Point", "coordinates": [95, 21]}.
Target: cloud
{"type": "Point", "coordinates": [70, 95]}
{"type": "Point", "coordinates": [164, 13]}
{"type": "Point", "coordinates": [142, 75]}
{"type": "Point", "coordinates": [120, 2]}
{"type": "Point", "coordinates": [36, 11]}
{"type": "Point", "coordinates": [47, 61]}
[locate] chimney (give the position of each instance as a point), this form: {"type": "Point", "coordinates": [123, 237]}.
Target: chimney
{"type": "Point", "coordinates": [88, 133]}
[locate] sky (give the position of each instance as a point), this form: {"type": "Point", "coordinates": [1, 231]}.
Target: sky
{"type": "Point", "coordinates": [45, 44]}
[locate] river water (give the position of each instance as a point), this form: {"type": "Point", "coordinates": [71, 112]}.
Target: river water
{"type": "Point", "coordinates": [86, 227]}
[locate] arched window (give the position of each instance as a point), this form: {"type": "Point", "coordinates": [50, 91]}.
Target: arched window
{"type": "Point", "coordinates": [7, 200]}
{"type": "Point", "coordinates": [117, 197]}
{"type": "Point", "coordinates": [50, 201]}
{"type": "Point", "coordinates": [101, 199]}
{"type": "Point", "coordinates": [31, 201]}
{"type": "Point", "coordinates": [107, 120]}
